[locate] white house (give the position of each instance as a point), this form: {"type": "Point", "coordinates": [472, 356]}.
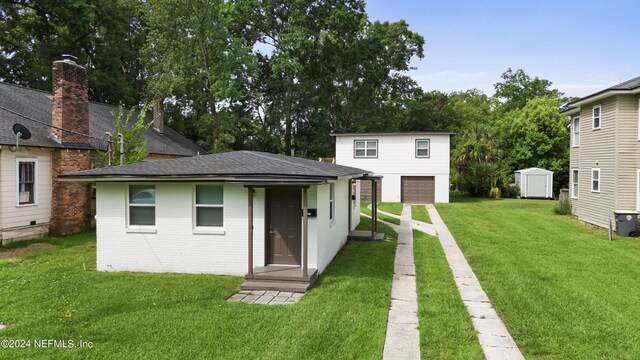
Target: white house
{"type": "Point", "coordinates": [414, 166]}
{"type": "Point", "coordinates": [276, 219]}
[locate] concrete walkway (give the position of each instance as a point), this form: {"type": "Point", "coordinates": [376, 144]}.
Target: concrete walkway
{"type": "Point", "coordinates": [403, 337]}
{"type": "Point", "coordinates": [495, 340]}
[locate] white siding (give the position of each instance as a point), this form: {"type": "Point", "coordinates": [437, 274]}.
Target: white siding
{"type": "Point", "coordinates": [355, 207]}
{"type": "Point", "coordinates": [174, 247]}
{"type": "Point", "coordinates": [14, 218]}
{"type": "Point", "coordinates": [397, 157]}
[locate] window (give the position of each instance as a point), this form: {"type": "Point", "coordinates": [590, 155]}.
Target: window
{"type": "Point", "coordinates": [596, 117]}
{"type": "Point", "coordinates": [575, 191]}
{"type": "Point", "coordinates": [366, 148]}
{"type": "Point", "coordinates": [332, 196]}
{"type": "Point", "coordinates": [142, 205]}
{"type": "Point", "coordinates": [576, 132]}
{"type": "Point", "coordinates": [595, 180]}
{"type": "Point", "coordinates": [209, 205]}
{"type": "Point", "coordinates": [26, 182]}
{"type": "Point", "coordinates": [422, 148]}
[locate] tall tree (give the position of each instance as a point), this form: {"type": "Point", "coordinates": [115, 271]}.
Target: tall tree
{"type": "Point", "coordinates": [106, 36]}
{"type": "Point", "coordinates": [517, 88]}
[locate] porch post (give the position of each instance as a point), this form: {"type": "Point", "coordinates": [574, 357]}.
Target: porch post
{"type": "Point", "coordinates": [374, 208]}
{"type": "Point", "coordinates": [350, 184]}
{"type": "Point", "coordinates": [250, 228]}
{"type": "Point", "coordinates": [305, 233]}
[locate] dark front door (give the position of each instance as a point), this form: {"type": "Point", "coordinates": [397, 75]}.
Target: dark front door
{"type": "Point", "coordinates": [284, 226]}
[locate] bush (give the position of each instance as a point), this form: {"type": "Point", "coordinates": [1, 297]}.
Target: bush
{"type": "Point", "coordinates": [511, 191]}
{"type": "Point", "coordinates": [478, 178]}
{"type": "Point", "coordinates": [494, 193]}
{"type": "Point", "coordinates": [563, 207]}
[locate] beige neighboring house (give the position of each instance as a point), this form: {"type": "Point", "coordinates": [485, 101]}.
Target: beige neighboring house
{"type": "Point", "coordinates": [66, 129]}
{"type": "Point", "coordinates": [605, 153]}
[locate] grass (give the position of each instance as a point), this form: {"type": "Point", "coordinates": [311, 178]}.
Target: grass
{"type": "Point", "coordinates": [446, 331]}
{"type": "Point", "coordinates": [134, 315]}
{"type": "Point", "coordinates": [364, 209]}
{"type": "Point", "coordinates": [562, 289]}
{"type": "Point", "coordinates": [419, 213]}
{"type": "Point", "coordinates": [391, 207]}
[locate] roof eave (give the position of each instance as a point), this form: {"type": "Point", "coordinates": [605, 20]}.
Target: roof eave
{"type": "Point", "coordinates": [602, 95]}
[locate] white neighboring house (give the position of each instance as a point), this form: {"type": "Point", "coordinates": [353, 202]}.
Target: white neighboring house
{"type": "Point", "coordinates": [195, 215]}
{"type": "Point", "coordinates": [414, 166]}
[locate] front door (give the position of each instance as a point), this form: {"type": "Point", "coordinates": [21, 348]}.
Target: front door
{"type": "Point", "coordinates": [284, 226]}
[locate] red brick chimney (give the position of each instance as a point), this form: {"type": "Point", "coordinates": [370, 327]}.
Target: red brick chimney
{"type": "Point", "coordinates": [70, 201]}
{"type": "Point", "coordinates": [158, 116]}
{"type": "Point", "coordinates": [70, 102]}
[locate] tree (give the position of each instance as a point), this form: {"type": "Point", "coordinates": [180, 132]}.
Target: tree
{"type": "Point", "coordinates": [133, 136]}
{"type": "Point", "coordinates": [196, 62]}
{"type": "Point", "coordinates": [517, 88]}
{"type": "Point", "coordinates": [106, 36]}
{"type": "Point", "coordinates": [538, 137]}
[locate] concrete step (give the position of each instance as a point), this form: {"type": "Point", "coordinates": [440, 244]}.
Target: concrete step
{"type": "Point", "coordinates": [291, 286]}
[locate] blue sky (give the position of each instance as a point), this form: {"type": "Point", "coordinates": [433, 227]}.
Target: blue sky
{"type": "Point", "coordinates": [581, 46]}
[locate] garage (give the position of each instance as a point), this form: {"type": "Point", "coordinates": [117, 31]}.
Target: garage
{"type": "Point", "coordinates": [365, 190]}
{"type": "Point", "coordinates": [418, 189]}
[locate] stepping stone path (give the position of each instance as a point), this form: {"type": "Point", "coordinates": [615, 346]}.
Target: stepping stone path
{"type": "Point", "coordinates": [266, 297]}
{"type": "Point", "coordinates": [493, 335]}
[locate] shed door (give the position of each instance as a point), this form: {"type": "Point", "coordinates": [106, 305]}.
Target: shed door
{"type": "Point", "coordinates": [365, 190]}
{"type": "Point", "coordinates": [418, 189]}
{"type": "Point", "coordinates": [537, 186]}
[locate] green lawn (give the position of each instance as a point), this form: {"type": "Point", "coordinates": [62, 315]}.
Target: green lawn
{"type": "Point", "coordinates": [562, 289]}
{"type": "Point", "coordinates": [419, 213]}
{"type": "Point", "coordinates": [391, 207]}
{"type": "Point", "coordinates": [365, 210]}
{"type": "Point", "coordinates": [446, 331]}
{"type": "Point", "coordinates": [133, 315]}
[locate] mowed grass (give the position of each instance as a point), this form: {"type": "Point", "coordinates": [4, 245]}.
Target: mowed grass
{"type": "Point", "coordinates": [391, 207]}
{"type": "Point", "coordinates": [419, 213]}
{"type": "Point", "coordinates": [446, 331]}
{"type": "Point", "coordinates": [365, 210]}
{"type": "Point", "coordinates": [563, 290]}
{"type": "Point", "coordinates": [134, 315]}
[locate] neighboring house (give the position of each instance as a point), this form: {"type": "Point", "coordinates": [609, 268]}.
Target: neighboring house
{"type": "Point", "coordinates": [414, 166]}
{"type": "Point", "coordinates": [605, 153]}
{"type": "Point", "coordinates": [66, 129]}
{"type": "Point", "coordinates": [233, 213]}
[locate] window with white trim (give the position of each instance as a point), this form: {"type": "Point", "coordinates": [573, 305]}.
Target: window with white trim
{"type": "Point", "coordinates": [595, 180]}
{"type": "Point", "coordinates": [209, 205]}
{"type": "Point", "coordinates": [575, 189]}
{"type": "Point", "coordinates": [422, 148]}
{"type": "Point", "coordinates": [596, 115]}
{"type": "Point", "coordinates": [332, 196]}
{"type": "Point", "coordinates": [576, 132]}
{"type": "Point", "coordinates": [142, 205]}
{"type": "Point", "coordinates": [366, 148]}
{"type": "Point", "coordinates": [26, 182]}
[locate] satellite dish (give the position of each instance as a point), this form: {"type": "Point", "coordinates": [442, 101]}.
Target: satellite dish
{"type": "Point", "coordinates": [21, 132]}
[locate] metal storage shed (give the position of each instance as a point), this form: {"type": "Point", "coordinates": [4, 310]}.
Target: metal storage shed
{"type": "Point", "coordinates": [535, 183]}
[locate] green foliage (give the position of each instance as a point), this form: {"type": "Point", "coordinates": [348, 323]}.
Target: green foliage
{"type": "Point", "coordinates": [563, 207]}
{"type": "Point", "coordinates": [479, 178]}
{"type": "Point", "coordinates": [133, 135]}
{"type": "Point", "coordinates": [518, 88]}
{"type": "Point", "coordinates": [495, 193]}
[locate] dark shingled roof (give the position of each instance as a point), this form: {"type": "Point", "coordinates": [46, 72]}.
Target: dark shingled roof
{"type": "Point", "coordinates": [624, 86]}
{"type": "Point", "coordinates": [237, 165]}
{"type": "Point", "coordinates": [36, 105]}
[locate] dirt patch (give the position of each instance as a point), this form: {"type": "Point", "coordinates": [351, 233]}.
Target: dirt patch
{"type": "Point", "coordinates": [27, 250]}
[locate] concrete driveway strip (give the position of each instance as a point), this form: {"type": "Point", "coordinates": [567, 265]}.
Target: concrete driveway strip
{"type": "Point", "coordinates": [494, 338]}
{"type": "Point", "coordinates": [403, 337]}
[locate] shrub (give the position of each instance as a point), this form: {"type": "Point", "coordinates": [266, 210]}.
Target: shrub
{"type": "Point", "coordinates": [511, 191]}
{"type": "Point", "coordinates": [562, 207]}
{"type": "Point", "coordinates": [478, 178]}
{"type": "Point", "coordinates": [494, 193]}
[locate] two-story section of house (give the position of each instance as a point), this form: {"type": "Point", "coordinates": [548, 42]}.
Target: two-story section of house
{"type": "Point", "coordinates": [414, 165]}
{"type": "Point", "coordinates": [605, 153]}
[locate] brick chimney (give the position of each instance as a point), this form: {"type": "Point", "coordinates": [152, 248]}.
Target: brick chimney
{"type": "Point", "coordinates": [158, 115]}
{"type": "Point", "coordinates": [70, 102]}
{"type": "Point", "coordinates": [70, 201]}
